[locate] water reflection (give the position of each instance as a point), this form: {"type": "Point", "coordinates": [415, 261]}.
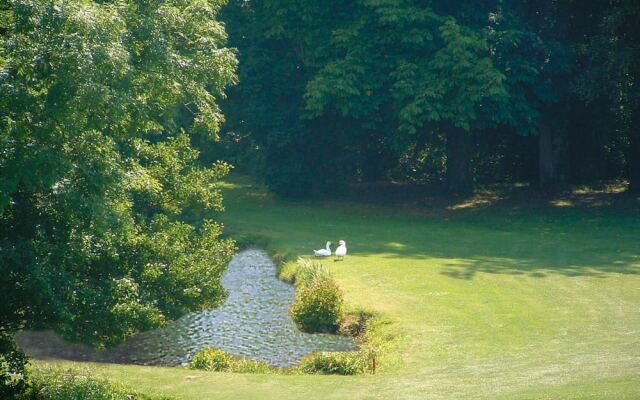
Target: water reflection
{"type": "Point", "coordinates": [253, 322]}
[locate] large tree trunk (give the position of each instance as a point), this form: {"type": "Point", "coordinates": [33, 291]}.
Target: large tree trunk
{"type": "Point", "coordinates": [459, 179]}
{"type": "Point", "coordinates": [550, 151]}
{"type": "Point", "coordinates": [634, 153]}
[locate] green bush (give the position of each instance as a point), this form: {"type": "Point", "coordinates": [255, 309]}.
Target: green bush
{"type": "Point", "coordinates": [212, 359]}
{"type": "Point", "coordinates": [12, 368]}
{"type": "Point", "coordinates": [57, 384]}
{"type": "Point", "coordinates": [338, 363]}
{"type": "Point", "coordinates": [318, 305]}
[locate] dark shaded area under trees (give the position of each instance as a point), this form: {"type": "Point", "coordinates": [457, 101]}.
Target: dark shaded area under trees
{"type": "Point", "coordinates": [448, 93]}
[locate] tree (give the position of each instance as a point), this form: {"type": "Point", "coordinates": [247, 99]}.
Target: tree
{"type": "Point", "coordinates": [441, 77]}
{"type": "Point", "coordinates": [280, 43]}
{"type": "Point", "coordinates": [374, 88]}
{"type": "Point", "coordinates": [98, 184]}
{"type": "Point", "coordinates": [613, 56]}
{"type": "Point", "coordinates": [461, 89]}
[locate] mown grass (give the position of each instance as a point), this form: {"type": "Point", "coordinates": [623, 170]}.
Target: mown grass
{"type": "Point", "coordinates": [515, 301]}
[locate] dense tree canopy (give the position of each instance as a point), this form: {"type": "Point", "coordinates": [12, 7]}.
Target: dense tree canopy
{"type": "Point", "coordinates": [613, 73]}
{"type": "Point", "coordinates": [99, 183]}
{"type": "Point", "coordinates": [370, 90]}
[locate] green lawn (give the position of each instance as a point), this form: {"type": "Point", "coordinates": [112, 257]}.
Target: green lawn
{"type": "Point", "coordinates": [518, 301]}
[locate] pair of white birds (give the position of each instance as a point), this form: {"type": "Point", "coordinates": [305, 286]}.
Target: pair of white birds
{"type": "Point", "coordinates": [341, 250]}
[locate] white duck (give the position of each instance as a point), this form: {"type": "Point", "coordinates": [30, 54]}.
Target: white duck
{"type": "Point", "coordinates": [326, 252]}
{"type": "Point", "coordinates": [341, 250]}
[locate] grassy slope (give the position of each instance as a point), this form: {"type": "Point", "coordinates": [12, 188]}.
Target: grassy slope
{"type": "Point", "coordinates": [500, 303]}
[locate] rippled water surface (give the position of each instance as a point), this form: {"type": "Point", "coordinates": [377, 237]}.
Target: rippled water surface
{"type": "Point", "coordinates": [253, 322]}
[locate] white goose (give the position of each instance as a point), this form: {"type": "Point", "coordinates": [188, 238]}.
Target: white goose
{"type": "Point", "coordinates": [326, 252]}
{"type": "Point", "coordinates": [341, 250]}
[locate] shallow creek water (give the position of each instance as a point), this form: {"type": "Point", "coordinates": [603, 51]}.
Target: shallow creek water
{"type": "Point", "coordinates": [253, 322]}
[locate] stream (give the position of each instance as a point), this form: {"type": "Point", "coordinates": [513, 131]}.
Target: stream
{"type": "Point", "coordinates": [253, 322]}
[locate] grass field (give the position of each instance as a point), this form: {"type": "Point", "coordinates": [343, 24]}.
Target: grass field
{"type": "Point", "coordinates": [522, 300]}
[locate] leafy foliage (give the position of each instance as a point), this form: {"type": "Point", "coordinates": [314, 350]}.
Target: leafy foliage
{"type": "Point", "coordinates": [374, 90]}
{"type": "Point", "coordinates": [318, 303]}
{"type": "Point", "coordinates": [101, 192]}
{"type": "Point", "coordinates": [613, 57]}
{"type": "Point", "coordinates": [12, 368]}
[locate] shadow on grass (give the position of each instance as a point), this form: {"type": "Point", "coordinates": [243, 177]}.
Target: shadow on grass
{"type": "Point", "coordinates": [514, 230]}
{"type": "Point", "coordinates": [532, 269]}
{"type": "Point", "coordinates": [571, 242]}
{"type": "Point", "coordinates": [464, 262]}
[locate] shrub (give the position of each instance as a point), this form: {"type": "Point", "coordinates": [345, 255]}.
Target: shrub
{"type": "Point", "coordinates": [318, 306]}
{"type": "Point", "coordinates": [318, 303]}
{"type": "Point", "coordinates": [213, 359]}
{"type": "Point", "coordinates": [57, 384]}
{"type": "Point", "coordinates": [339, 363]}
{"type": "Point", "coordinates": [12, 368]}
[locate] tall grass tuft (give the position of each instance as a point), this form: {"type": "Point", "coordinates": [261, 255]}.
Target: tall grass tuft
{"type": "Point", "coordinates": [338, 363]}
{"type": "Point", "coordinates": [213, 359]}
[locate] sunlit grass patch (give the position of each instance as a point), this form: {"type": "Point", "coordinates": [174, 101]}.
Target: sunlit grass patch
{"type": "Point", "coordinates": [515, 300]}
